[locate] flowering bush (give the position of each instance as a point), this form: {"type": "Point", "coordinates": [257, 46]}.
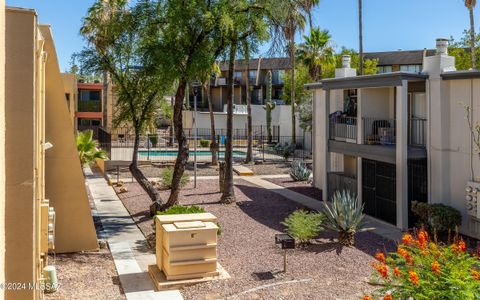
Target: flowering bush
{"type": "Point", "coordinates": [423, 269]}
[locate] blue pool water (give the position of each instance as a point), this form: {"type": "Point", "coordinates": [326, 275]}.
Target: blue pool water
{"type": "Point", "coordinates": [173, 153]}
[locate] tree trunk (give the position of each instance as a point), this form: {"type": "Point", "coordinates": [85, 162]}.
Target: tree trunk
{"type": "Point", "coordinates": [182, 156]}
{"type": "Point", "coordinates": [142, 180]}
{"type": "Point", "coordinates": [248, 158]}
{"type": "Point", "coordinates": [106, 81]}
{"type": "Point", "coordinates": [292, 79]}
{"type": "Point", "coordinates": [228, 195]}
{"type": "Point", "coordinates": [213, 138]}
{"type": "Point", "coordinates": [360, 37]}
{"type": "Point", "coordinates": [170, 130]}
{"type": "Point", "coordinates": [472, 38]}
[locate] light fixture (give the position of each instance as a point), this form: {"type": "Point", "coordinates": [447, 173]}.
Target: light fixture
{"type": "Point", "coordinates": [47, 146]}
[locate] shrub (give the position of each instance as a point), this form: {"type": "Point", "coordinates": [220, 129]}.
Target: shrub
{"type": "Point", "coordinates": [423, 269]}
{"type": "Point", "coordinates": [285, 150]}
{"type": "Point", "coordinates": [167, 177]}
{"type": "Point", "coordinates": [299, 171]}
{"type": "Point", "coordinates": [344, 215]}
{"type": "Point", "coordinates": [153, 140]}
{"type": "Point", "coordinates": [88, 148]}
{"type": "Point", "coordinates": [303, 226]}
{"type": "Point", "coordinates": [205, 143]}
{"type": "Point", "coordinates": [437, 217]}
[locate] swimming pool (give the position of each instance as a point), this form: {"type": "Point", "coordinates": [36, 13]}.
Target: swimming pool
{"type": "Point", "coordinates": [173, 153]}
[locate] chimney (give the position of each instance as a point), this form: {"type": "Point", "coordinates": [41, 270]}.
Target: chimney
{"type": "Point", "coordinates": [442, 46]}
{"type": "Point", "coordinates": [346, 60]}
{"type": "Point", "coordinates": [346, 69]}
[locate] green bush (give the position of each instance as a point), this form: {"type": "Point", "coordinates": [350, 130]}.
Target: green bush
{"type": "Point", "coordinates": [153, 140]}
{"type": "Point", "coordinates": [303, 226]}
{"type": "Point", "coordinates": [299, 171]}
{"type": "Point", "coordinates": [167, 177]}
{"type": "Point", "coordinates": [181, 209]}
{"type": "Point", "coordinates": [204, 143]}
{"type": "Point", "coordinates": [437, 216]}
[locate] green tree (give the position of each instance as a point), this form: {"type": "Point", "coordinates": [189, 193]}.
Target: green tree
{"type": "Point", "coordinates": [461, 50]}
{"type": "Point", "coordinates": [316, 52]}
{"type": "Point", "coordinates": [360, 38]}
{"type": "Point", "coordinates": [369, 65]}
{"type": "Point", "coordinates": [470, 5]}
{"type": "Point", "coordinates": [116, 45]}
{"type": "Point", "coordinates": [88, 148]}
{"type": "Point", "coordinates": [269, 106]}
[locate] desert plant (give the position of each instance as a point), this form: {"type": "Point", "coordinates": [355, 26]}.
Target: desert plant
{"type": "Point", "coordinates": [269, 106]}
{"type": "Point", "coordinates": [87, 148]}
{"type": "Point", "coordinates": [424, 269]}
{"type": "Point", "coordinates": [299, 171]}
{"type": "Point", "coordinates": [303, 226]}
{"type": "Point", "coordinates": [153, 140]}
{"type": "Point", "coordinates": [437, 217]}
{"type": "Point", "coordinates": [167, 176]}
{"type": "Point", "coordinates": [285, 150]}
{"type": "Point", "coordinates": [182, 209]}
{"type": "Point", "coordinates": [204, 143]}
{"type": "Point", "coordinates": [344, 215]}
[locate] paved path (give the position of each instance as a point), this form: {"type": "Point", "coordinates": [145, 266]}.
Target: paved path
{"type": "Point", "coordinates": [128, 246]}
{"type": "Point", "coordinates": [381, 228]}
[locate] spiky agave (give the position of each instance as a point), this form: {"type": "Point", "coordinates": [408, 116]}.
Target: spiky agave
{"type": "Point", "coordinates": [344, 215]}
{"type": "Point", "coordinates": [299, 171]}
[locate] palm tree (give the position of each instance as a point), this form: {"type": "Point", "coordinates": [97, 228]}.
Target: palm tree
{"type": "Point", "coordinates": [248, 156]}
{"type": "Point", "coordinates": [360, 36]}
{"type": "Point", "coordinates": [87, 148]}
{"type": "Point", "coordinates": [470, 5]}
{"type": "Point", "coordinates": [308, 5]}
{"type": "Point", "coordinates": [317, 51]}
{"type": "Point", "coordinates": [206, 85]}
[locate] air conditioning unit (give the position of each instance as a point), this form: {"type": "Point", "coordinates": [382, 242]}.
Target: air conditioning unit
{"type": "Point", "coordinates": [222, 81]}
{"type": "Point", "coordinates": [472, 199]}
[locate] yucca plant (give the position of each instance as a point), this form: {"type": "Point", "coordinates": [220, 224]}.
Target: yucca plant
{"type": "Point", "coordinates": [88, 148]}
{"type": "Point", "coordinates": [299, 171]}
{"type": "Point", "coordinates": [344, 215]}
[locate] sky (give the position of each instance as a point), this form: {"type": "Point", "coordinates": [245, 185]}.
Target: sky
{"type": "Point", "coordinates": [387, 24]}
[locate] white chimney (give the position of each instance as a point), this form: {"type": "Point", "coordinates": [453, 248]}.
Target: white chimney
{"type": "Point", "coordinates": [346, 69]}
{"type": "Point", "coordinates": [442, 46]}
{"type": "Point", "coordinates": [346, 60]}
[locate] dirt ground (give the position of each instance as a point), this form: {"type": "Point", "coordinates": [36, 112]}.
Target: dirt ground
{"type": "Point", "coordinates": [247, 251]}
{"type": "Point", "coordinates": [301, 187]}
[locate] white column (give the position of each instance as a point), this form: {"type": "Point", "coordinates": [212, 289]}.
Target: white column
{"type": "Point", "coordinates": [360, 137]}
{"type": "Point", "coordinates": [402, 155]}
{"type": "Point", "coordinates": [321, 111]}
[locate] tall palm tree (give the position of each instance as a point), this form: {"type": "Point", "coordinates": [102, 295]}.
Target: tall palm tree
{"type": "Point", "coordinates": [470, 5]}
{"type": "Point", "coordinates": [316, 52]}
{"type": "Point", "coordinates": [360, 37]}
{"type": "Point", "coordinates": [308, 6]}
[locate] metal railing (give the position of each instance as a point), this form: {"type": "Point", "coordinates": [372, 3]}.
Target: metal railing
{"type": "Point", "coordinates": [89, 106]}
{"type": "Point", "coordinates": [417, 132]}
{"type": "Point", "coordinates": [343, 129]}
{"type": "Point", "coordinates": [339, 181]}
{"type": "Point", "coordinates": [379, 131]}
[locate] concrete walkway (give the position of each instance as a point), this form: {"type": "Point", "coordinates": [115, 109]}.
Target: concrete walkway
{"type": "Point", "coordinates": [381, 228]}
{"type": "Point", "coordinates": [128, 246]}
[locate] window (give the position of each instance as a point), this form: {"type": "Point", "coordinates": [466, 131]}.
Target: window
{"type": "Point", "coordinates": [384, 69]}
{"type": "Point", "coordinates": [86, 95]}
{"type": "Point", "coordinates": [411, 68]}
{"type": "Point", "coordinates": [277, 76]}
{"type": "Point", "coordinates": [252, 76]}
{"type": "Point", "coordinates": [237, 75]}
{"type": "Point", "coordinates": [89, 122]}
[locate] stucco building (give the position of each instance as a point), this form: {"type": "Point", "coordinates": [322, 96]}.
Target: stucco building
{"type": "Point", "coordinates": [399, 136]}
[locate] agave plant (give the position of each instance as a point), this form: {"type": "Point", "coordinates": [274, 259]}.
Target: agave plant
{"type": "Point", "coordinates": [88, 148]}
{"type": "Point", "coordinates": [299, 171]}
{"type": "Point", "coordinates": [344, 215]}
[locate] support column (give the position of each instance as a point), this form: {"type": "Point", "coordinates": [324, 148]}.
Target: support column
{"type": "Point", "coordinates": [402, 155]}
{"type": "Point", "coordinates": [321, 115]}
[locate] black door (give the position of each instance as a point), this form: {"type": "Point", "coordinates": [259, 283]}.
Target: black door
{"type": "Point", "coordinates": [417, 185]}
{"type": "Point", "coordinates": [379, 190]}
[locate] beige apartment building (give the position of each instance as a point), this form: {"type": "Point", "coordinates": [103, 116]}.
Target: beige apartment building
{"type": "Point", "coordinates": [43, 200]}
{"type": "Point", "coordinates": [396, 137]}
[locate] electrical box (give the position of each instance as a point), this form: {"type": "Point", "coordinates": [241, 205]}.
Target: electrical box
{"type": "Point", "coordinates": [472, 199]}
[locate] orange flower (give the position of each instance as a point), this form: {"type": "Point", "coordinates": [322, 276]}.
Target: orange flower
{"type": "Point", "coordinates": [387, 297]}
{"type": "Point", "coordinates": [404, 253]}
{"type": "Point", "coordinates": [382, 269]}
{"type": "Point", "coordinates": [454, 248]}
{"type": "Point", "coordinates": [380, 257]}
{"type": "Point", "coordinates": [436, 267]}
{"type": "Point", "coordinates": [476, 274]}
{"type": "Point", "coordinates": [413, 277]}
{"type": "Point", "coordinates": [407, 239]}
{"type": "Point", "coordinates": [367, 297]}
{"type": "Point", "coordinates": [462, 247]}
{"type": "Point", "coordinates": [422, 238]}
{"type": "Point", "coordinates": [396, 272]}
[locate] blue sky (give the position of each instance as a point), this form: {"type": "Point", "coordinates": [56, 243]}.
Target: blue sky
{"type": "Point", "coordinates": [388, 24]}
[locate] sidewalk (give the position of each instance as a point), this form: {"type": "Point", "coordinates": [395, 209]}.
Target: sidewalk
{"type": "Point", "coordinates": [127, 244]}
{"type": "Point", "coordinates": [381, 228]}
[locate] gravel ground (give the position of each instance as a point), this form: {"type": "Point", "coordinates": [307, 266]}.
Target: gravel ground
{"type": "Point", "coordinates": [301, 187]}
{"type": "Point", "coordinates": [204, 169]}
{"type": "Point", "coordinates": [87, 275]}
{"type": "Point", "coordinates": [324, 270]}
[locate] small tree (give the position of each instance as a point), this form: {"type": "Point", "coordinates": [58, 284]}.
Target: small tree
{"type": "Point", "coordinates": [88, 148]}
{"type": "Point", "coordinates": [269, 106]}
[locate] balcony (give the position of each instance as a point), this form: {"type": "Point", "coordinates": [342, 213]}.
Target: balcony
{"type": "Point", "coordinates": [378, 131]}
{"type": "Point", "coordinates": [343, 129]}
{"type": "Point", "coordinates": [89, 106]}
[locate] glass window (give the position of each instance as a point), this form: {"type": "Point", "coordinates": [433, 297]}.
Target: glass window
{"type": "Point", "coordinates": [252, 75]}
{"type": "Point", "coordinates": [411, 68]}
{"type": "Point", "coordinates": [277, 76]}
{"type": "Point", "coordinates": [237, 75]}
{"type": "Point", "coordinates": [384, 69]}
{"type": "Point", "coordinates": [86, 95]}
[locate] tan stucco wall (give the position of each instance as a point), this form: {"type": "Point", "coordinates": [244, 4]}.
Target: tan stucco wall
{"type": "Point", "coordinates": [65, 184]}
{"type": "Point", "coordinates": [20, 209]}
{"type": "Point", "coordinates": [70, 86]}
{"type": "Point", "coordinates": [2, 145]}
